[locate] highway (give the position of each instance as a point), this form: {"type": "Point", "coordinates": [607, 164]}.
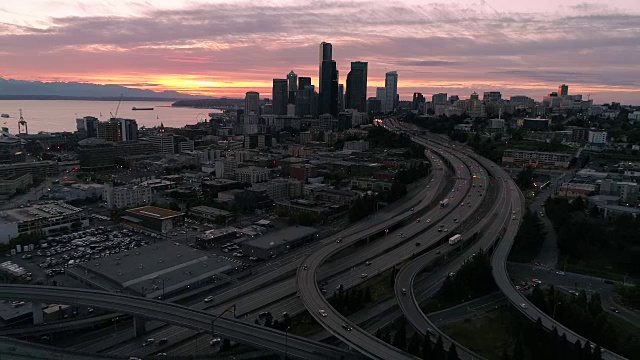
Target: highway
{"type": "Point", "coordinates": [267, 295]}
{"type": "Point", "coordinates": [339, 325]}
{"type": "Point", "coordinates": [501, 276]}
{"type": "Point", "coordinates": [229, 328]}
{"type": "Point", "coordinates": [490, 228]}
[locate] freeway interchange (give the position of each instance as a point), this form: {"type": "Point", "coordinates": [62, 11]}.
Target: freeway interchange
{"type": "Point", "coordinates": [406, 230]}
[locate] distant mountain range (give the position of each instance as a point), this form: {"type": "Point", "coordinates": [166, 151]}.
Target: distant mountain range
{"type": "Point", "coordinates": [36, 90]}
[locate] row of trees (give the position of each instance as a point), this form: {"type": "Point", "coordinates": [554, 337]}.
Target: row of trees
{"type": "Point", "coordinates": [585, 237]}
{"type": "Point", "coordinates": [585, 316]}
{"type": "Point", "coordinates": [529, 238]}
{"type": "Point", "coordinates": [418, 345]}
{"type": "Point", "coordinates": [349, 301]}
{"type": "Point", "coordinates": [369, 203]}
{"type": "Point", "coordinates": [24, 239]}
{"type": "Point", "coordinates": [473, 280]}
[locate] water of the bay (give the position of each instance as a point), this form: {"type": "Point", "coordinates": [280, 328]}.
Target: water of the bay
{"type": "Point", "coordinates": [60, 115]}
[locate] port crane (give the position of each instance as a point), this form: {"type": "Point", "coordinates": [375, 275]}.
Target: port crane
{"type": "Point", "coordinates": [114, 116]}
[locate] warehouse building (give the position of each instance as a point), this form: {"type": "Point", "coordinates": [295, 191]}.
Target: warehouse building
{"type": "Point", "coordinates": [153, 218]}
{"type": "Point", "coordinates": [279, 242]}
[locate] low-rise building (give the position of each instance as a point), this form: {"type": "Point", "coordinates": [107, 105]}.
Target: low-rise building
{"type": "Point", "coordinates": [51, 218]}
{"type": "Point", "coordinates": [127, 196]}
{"type": "Point", "coordinates": [37, 169]}
{"type": "Point", "coordinates": [10, 185]}
{"type": "Point", "coordinates": [153, 218]}
{"type": "Point", "coordinates": [539, 159]}
{"type": "Point", "coordinates": [279, 242]}
{"type": "Point", "coordinates": [597, 137]}
{"type": "Point", "coordinates": [370, 184]}
{"type": "Point", "coordinates": [212, 214]}
{"type": "Point", "coordinates": [360, 145]}
{"type": "Point", "coordinates": [573, 190]}
{"type": "Point", "coordinates": [96, 154]}
{"type": "Point", "coordinates": [252, 174]}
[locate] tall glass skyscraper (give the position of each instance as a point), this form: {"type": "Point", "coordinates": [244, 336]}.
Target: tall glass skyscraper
{"type": "Point", "coordinates": [356, 97]}
{"type": "Point", "coordinates": [391, 92]}
{"type": "Point", "coordinates": [328, 81]}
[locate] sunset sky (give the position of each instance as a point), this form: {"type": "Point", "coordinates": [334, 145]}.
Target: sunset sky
{"type": "Point", "coordinates": [225, 48]}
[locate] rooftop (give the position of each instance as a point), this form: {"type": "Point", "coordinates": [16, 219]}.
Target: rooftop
{"type": "Point", "coordinates": [283, 236]}
{"type": "Point", "coordinates": [154, 212]}
{"type": "Point", "coordinates": [145, 268]}
{"type": "Point", "coordinates": [49, 210]}
{"type": "Point", "coordinates": [211, 211]}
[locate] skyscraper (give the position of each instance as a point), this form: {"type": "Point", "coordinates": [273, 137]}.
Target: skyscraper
{"type": "Point", "coordinates": [303, 82]}
{"type": "Point", "coordinates": [391, 91]}
{"type": "Point", "coordinates": [340, 97]}
{"type": "Point", "coordinates": [251, 103]}
{"type": "Point", "coordinates": [292, 80]}
{"type": "Point", "coordinates": [328, 81]}
{"type": "Point", "coordinates": [418, 101]}
{"type": "Point", "coordinates": [280, 96]}
{"type": "Point", "coordinates": [380, 95]}
{"type": "Point", "coordinates": [356, 97]}
{"type": "Point", "coordinates": [563, 90]}
{"type": "Point", "coordinates": [439, 99]}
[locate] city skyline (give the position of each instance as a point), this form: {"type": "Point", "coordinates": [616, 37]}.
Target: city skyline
{"type": "Point", "coordinates": [457, 48]}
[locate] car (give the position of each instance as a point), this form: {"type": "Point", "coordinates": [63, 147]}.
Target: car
{"type": "Point", "coordinates": [411, 209]}
{"type": "Point", "coordinates": [445, 230]}
{"type": "Point", "coordinates": [536, 281]}
{"type": "Point", "coordinates": [367, 263]}
{"type": "Point", "coordinates": [323, 313]}
{"type": "Point", "coordinates": [440, 230]}
{"type": "Point", "coordinates": [363, 275]}
{"type": "Point", "coordinates": [304, 267]}
{"type": "Point", "coordinates": [428, 220]}
{"type": "Point", "coordinates": [437, 252]}
{"type": "Point", "coordinates": [208, 299]}
{"type": "Point", "coordinates": [161, 354]}
{"type": "Point", "coordinates": [523, 305]}
{"type": "Point", "coordinates": [148, 342]}
{"type": "Point", "coordinates": [513, 218]}
{"type": "Point", "coordinates": [214, 341]}
{"type": "Point", "coordinates": [338, 241]}
{"type": "Point", "coordinates": [455, 220]}
{"type": "Point", "coordinates": [418, 243]}
{"type": "Point", "coordinates": [560, 272]}
{"type": "Point", "coordinates": [404, 291]}
{"type": "Point", "coordinates": [162, 341]}
{"type": "Point", "coordinates": [418, 220]}
{"type": "Point", "coordinates": [608, 282]}
{"type": "Point", "coordinates": [452, 274]}
{"type": "Point", "coordinates": [614, 310]}
{"type": "Point", "coordinates": [346, 327]}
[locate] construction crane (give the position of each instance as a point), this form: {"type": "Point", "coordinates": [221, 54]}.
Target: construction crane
{"type": "Point", "coordinates": [114, 116]}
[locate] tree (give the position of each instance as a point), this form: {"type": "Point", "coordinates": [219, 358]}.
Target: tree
{"type": "Point", "coordinates": [400, 338]}
{"type": "Point", "coordinates": [597, 353]}
{"type": "Point", "coordinates": [518, 349]}
{"type": "Point", "coordinates": [426, 347]}
{"type": "Point", "coordinates": [453, 353]}
{"type": "Point", "coordinates": [438, 350]}
{"type": "Point", "coordinates": [414, 344]}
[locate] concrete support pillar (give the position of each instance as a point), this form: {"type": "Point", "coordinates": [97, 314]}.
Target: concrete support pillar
{"type": "Point", "coordinates": [139, 327]}
{"type": "Point", "coordinates": [38, 316]}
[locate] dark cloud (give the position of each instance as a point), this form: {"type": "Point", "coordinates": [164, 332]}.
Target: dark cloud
{"type": "Point", "coordinates": [428, 63]}
{"type": "Point", "coordinates": [259, 41]}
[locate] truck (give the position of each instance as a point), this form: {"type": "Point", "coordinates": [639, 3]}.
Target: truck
{"type": "Point", "coordinates": [444, 203]}
{"type": "Point", "coordinates": [454, 239]}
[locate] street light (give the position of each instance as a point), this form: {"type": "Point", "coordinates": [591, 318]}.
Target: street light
{"type": "Point", "coordinates": [554, 310]}
{"type": "Point", "coordinates": [286, 333]}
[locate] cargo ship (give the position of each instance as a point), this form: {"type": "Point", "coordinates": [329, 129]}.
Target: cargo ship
{"type": "Point", "coordinates": [137, 108]}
